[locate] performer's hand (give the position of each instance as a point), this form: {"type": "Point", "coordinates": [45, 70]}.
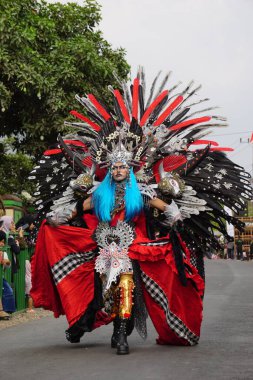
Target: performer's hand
{"type": "Point", "coordinates": [62, 216]}
{"type": "Point", "coordinates": [172, 214]}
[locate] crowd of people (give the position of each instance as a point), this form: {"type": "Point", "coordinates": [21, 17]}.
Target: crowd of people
{"type": "Point", "coordinates": [16, 237]}
{"type": "Point", "coordinates": [233, 250]}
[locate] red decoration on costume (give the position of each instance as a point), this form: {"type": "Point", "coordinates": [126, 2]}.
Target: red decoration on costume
{"type": "Point", "coordinates": [190, 122]}
{"type": "Point", "coordinates": [135, 98]}
{"type": "Point", "coordinates": [50, 152]}
{"type": "Point", "coordinates": [168, 110]}
{"type": "Point", "coordinates": [200, 142]}
{"type": "Point", "coordinates": [170, 163]}
{"type": "Point", "coordinates": [122, 105]}
{"type": "Point", "coordinates": [152, 106]}
{"type": "Point", "coordinates": [98, 106]}
{"type": "Point", "coordinates": [221, 149]}
{"type": "Point", "coordinates": [95, 126]}
{"type": "Point", "coordinates": [77, 143]}
{"type": "Point", "coordinates": [87, 161]}
{"type": "Point", "coordinates": [184, 302]}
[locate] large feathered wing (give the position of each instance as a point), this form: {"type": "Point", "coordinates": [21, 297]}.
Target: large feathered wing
{"type": "Point", "coordinates": [63, 176]}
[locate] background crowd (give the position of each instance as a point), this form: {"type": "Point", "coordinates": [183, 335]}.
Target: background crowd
{"type": "Point", "coordinates": [16, 237]}
{"type": "Point", "coordinates": [232, 250]}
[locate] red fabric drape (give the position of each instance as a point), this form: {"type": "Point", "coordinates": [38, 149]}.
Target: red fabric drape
{"type": "Point", "coordinates": [75, 291]}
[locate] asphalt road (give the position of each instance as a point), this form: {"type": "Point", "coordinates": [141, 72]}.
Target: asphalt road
{"type": "Point", "coordinates": [38, 349]}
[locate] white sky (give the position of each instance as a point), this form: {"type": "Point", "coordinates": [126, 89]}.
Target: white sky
{"type": "Point", "coordinates": [210, 41]}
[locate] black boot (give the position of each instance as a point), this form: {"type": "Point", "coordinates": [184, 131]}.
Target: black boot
{"type": "Point", "coordinates": [116, 326]}
{"type": "Point", "coordinates": [115, 335]}
{"type": "Point", "coordinates": [83, 325]}
{"type": "Point", "coordinates": [122, 345]}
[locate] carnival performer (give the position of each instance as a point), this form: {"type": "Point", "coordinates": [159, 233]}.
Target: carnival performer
{"type": "Point", "coordinates": [129, 209]}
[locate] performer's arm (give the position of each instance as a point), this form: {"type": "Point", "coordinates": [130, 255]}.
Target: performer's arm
{"type": "Point", "coordinates": [87, 204]}
{"type": "Point", "coordinates": [171, 211]}
{"type": "Point", "coordinates": [66, 215]}
{"type": "Point", "coordinates": [158, 203]}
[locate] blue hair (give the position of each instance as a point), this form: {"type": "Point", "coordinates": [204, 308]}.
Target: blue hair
{"type": "Point", "coordinates": [133, 198]}
{"type": "Point", "coordinates": [103, 198]}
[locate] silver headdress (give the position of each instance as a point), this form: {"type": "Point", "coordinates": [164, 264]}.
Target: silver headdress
{"type": "Point", "coordinates": [120, 155]}
{"type": "Point", "coordinates": [114, 144]}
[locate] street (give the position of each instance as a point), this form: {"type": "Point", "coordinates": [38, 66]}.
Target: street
{"type": "Point", "coordinates": [39, 350]}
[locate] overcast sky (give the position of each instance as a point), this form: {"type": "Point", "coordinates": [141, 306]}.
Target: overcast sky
{"type": "Point", "coordinates": [210, 41]}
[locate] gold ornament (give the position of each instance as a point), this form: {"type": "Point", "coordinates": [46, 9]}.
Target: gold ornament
{"type": "Point", "coordinates": [172, 185]}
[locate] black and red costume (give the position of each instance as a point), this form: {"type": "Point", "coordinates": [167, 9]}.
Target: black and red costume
{"type": "Point", "coordinates": [158, 139]}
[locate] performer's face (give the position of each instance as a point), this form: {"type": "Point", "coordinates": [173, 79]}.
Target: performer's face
{"type": "Point", "coordinates": [119, 171]}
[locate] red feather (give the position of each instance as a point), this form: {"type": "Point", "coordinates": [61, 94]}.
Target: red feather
{"type": "Point", "coordinates": [199, 142]}
{"type": "Point", "coordinates": [152, 106]}
{"type": "Point", "coordinates": [50, 152]}
{"type": "Point", "coordinates": [122, 105]}
{"type": "Point", "coordinates": [87, 161]}
{"type": "Point", "coordinates": [190, 122]}
{"type": "Point", "coordinates": [170, 163]}
{"type": "Point", "coordinates": [76, 142]}
{"type": "Point", "coordinates": [168, 110]}
{"type": "Point", "coordinates": [98, 106]}
{"type": "Point", "coordinates": [222, 149]}
{"type": "Point", "coordinates": [135, 98]}
{"type": "Point", "coordinates": [86, 120]}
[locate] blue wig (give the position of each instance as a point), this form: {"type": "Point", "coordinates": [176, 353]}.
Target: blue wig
{"type": "Point", "coordinates": [133, 198]}
{"type": "Point", "coordinates": [103, 198]}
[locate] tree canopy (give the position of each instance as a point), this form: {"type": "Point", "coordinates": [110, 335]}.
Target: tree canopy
{"type": "Point", "coordinates": [49, 53]}
{"type": "Point", "coordinates": [14, 169]}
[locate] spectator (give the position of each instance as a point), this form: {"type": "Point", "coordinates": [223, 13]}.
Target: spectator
{"type": "Point", "coordinates": [245, 256]}
{"type": "Point", "coordinates": [5, 262]}
{"type": "Point", "coordinates": [239, 244]}
{"type": "Point", "coordinates": [26, 224]}
{"type": "Point", "coordinates": [8, 227]}
{"type": "Point", "coordinates": [225, 250]}
{"type": "Point", "coordinates": [230, 247]}
{"type": "Point", "coordinates": [251, 250]}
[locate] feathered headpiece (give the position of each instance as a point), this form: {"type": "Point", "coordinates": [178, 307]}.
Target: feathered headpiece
{"type": "Point", "coordinates": [139, 132]}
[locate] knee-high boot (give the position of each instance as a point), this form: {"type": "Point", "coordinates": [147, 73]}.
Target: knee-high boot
{"type": "Point", "coordinates": [123, 321]}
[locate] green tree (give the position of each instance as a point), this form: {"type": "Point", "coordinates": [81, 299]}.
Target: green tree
{"type": "Point", "coordinates": [48, 53]}
{"type": "Point", "coordinates": [14, 169]}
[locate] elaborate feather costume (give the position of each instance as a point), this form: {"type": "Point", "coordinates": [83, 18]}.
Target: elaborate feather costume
{"type": "Point", "coordinates": [157, 138]}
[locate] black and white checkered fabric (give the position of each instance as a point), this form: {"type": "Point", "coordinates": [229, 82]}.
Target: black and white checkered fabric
{"type": "Point", "coordinates": [175, 323]}
{"type": "Point", "coordinates": [193, 260]}
{"type": "Point", "coordinates": [70, 262]}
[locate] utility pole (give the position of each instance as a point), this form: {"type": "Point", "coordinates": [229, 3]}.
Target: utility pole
{"type": "Point", "coordinates": [249, 140]}
{"type": "Point", "coordinates": [247, 236]}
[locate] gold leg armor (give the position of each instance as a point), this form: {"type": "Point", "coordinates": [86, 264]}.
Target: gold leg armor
{"type": "Point", "coordinates": [126, 286]}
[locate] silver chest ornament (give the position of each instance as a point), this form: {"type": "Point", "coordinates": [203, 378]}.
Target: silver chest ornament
{"type": "Point", "coordinates": [113, 243]}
